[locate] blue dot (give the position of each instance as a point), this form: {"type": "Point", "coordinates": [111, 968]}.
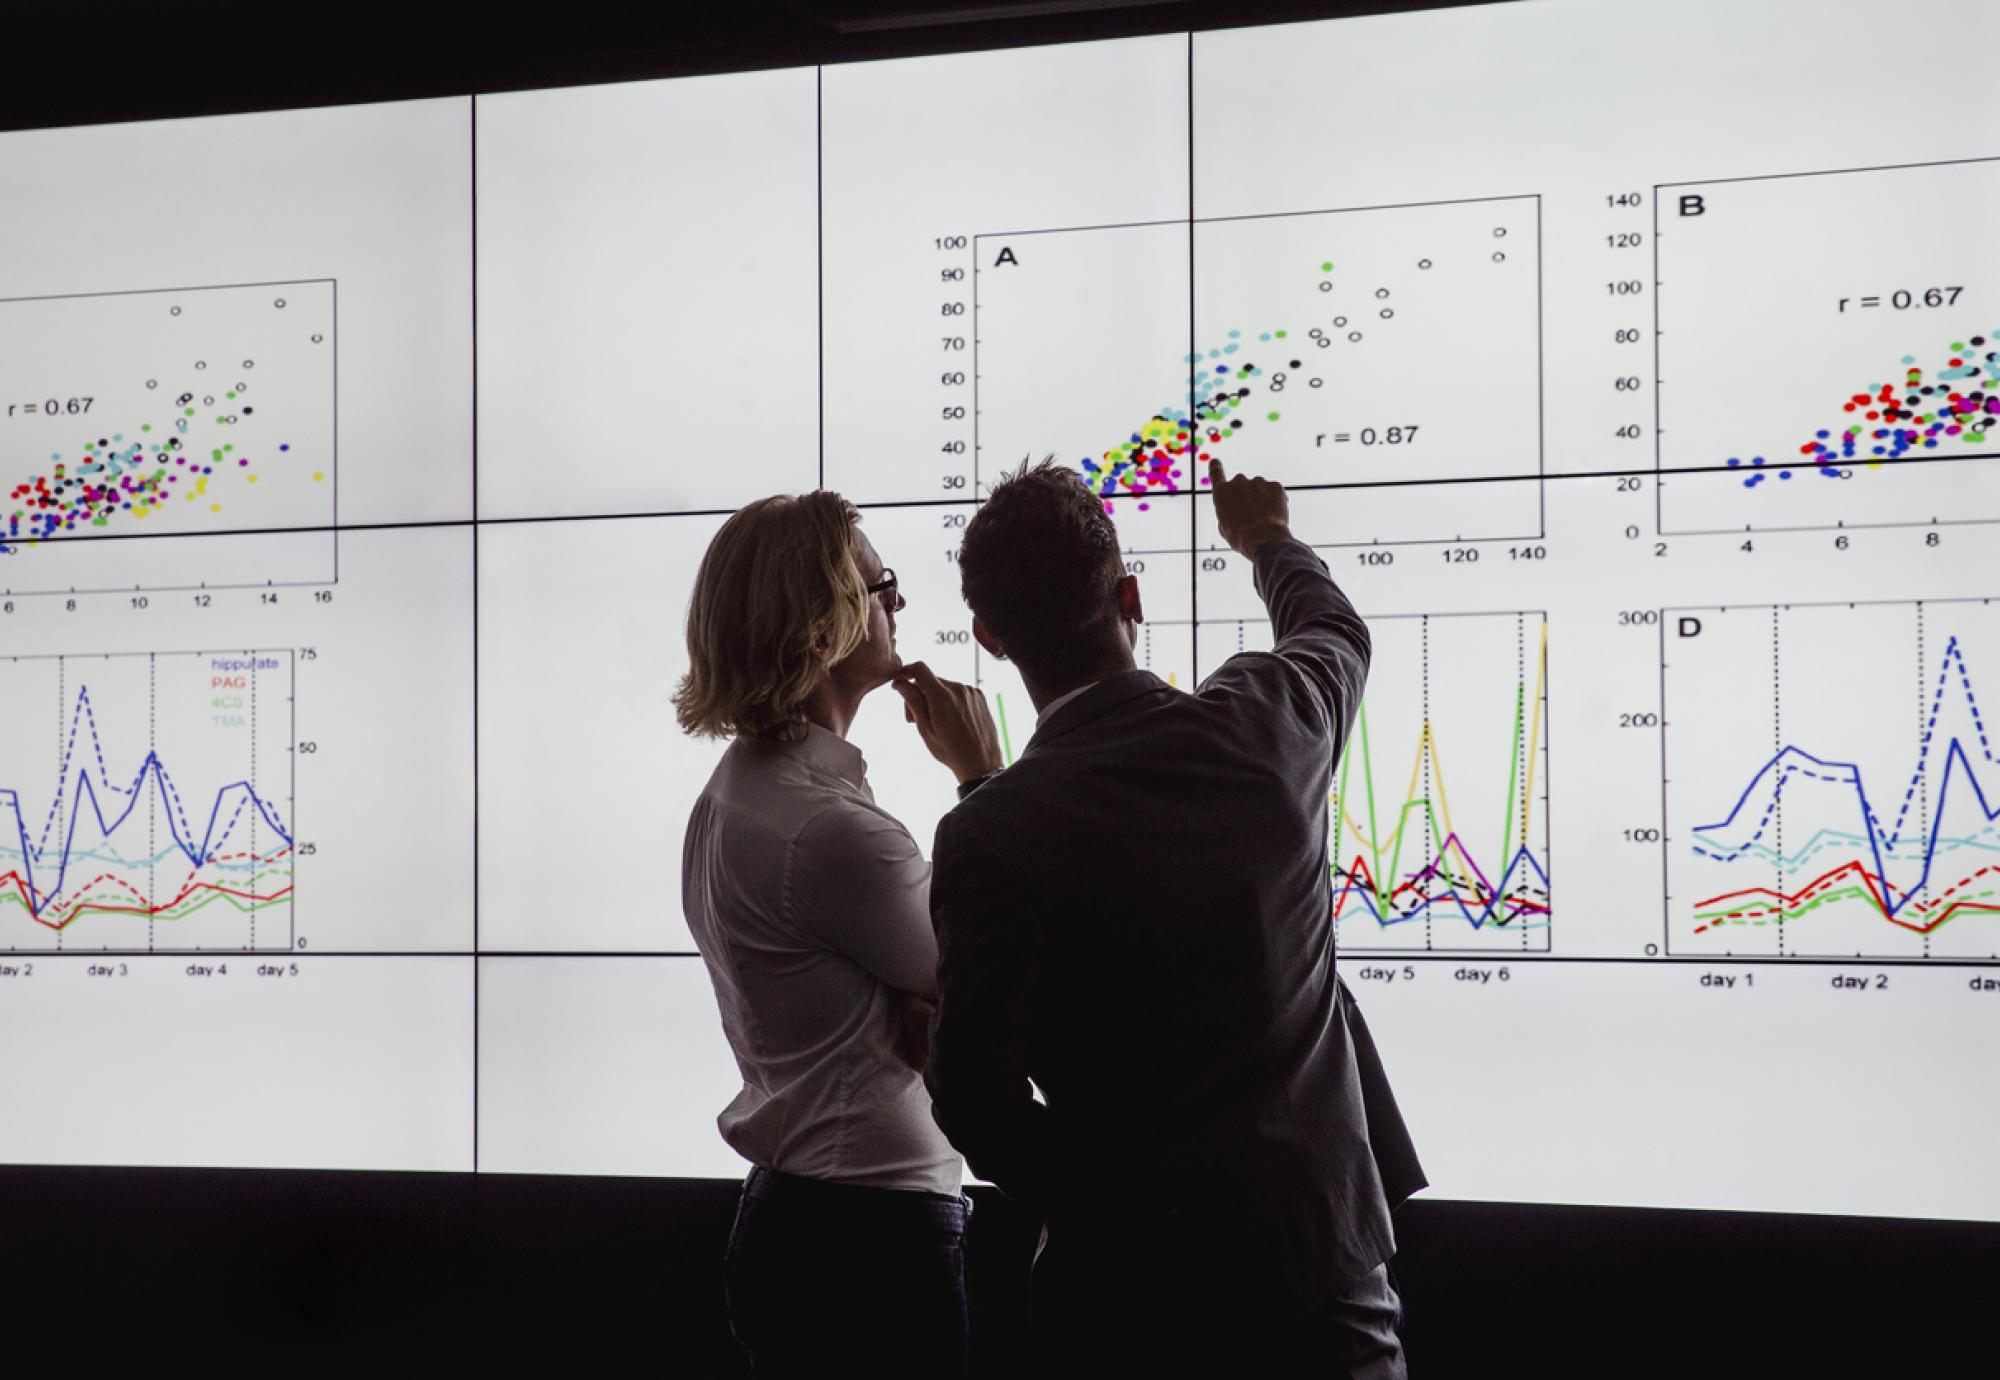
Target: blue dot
{"type": "Point", "coordinates": [1822, 434]}
{"type": "Point", "coordinates": [1756, 459]}
{"type": "Point", "coordinates": [1784, 474]}
{"type": "Point", "coordinates": [1735, 459]}
{"type": "Point", "coordinates": [1264, 336]}
{"type": "Point", "coordinates": [284, 447]}
{"type": "Point", "coordinates": [1234, 334]}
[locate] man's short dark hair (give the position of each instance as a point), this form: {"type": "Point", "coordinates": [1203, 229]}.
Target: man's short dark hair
{"type": "Point", "coordinates": [1040, 564]}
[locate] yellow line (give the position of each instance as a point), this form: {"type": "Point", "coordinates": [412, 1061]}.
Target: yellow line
{"type": "Point", "coordinates": [1437, 779]}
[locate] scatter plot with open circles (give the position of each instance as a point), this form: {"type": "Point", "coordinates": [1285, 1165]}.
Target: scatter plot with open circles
{"type": "Point", "coordinates": [1388, 345]}
{"type": "Point", "coordinates": [172, 412]}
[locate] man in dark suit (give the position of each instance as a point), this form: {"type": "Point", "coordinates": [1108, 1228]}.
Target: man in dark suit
{"type": "Point", "coordinates": [1140, 1032]}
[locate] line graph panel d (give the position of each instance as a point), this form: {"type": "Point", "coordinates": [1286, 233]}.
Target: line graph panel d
{"type": "Point", "coordinates": [146, 802]}
{"type": "Point", "coordinates": [1832, 782]}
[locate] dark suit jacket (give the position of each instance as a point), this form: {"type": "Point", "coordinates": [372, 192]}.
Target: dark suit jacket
{"type": "Point", "coordinates": [1138, 916]}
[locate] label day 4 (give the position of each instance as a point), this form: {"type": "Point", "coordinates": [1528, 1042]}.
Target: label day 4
{"type": "Point", "coordinates": [270, 970]}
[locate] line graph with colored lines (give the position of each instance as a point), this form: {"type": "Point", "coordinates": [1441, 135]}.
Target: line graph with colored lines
{"type": "Point", "coordinates": [1449, 852]}
{"type": "Point", "coordinates": [1865, 823]}
{"type": "Point", "coordinates": [160, 815]}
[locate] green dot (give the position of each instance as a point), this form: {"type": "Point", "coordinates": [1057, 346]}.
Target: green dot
{"type": "Point", "coordinates": [1271, 417]}
{"type": "Point", "coordinates": [1279, 334]}
{"type": "Point", "coordinates": [1326, 267]}
{"type": "Point", "coordinates": [228, 395]}
{"type": "Point", "coordinates": [215, 454]}
{"type": "Point", "coordinates": [229, 447]}
{"type": "Point", "coordinates": [188, 413]}
{"type": "Point", "coordinates": [147, 427]}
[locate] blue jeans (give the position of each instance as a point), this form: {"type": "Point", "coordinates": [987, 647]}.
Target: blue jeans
{"type": "Point", "coordinates": [835, 1279]}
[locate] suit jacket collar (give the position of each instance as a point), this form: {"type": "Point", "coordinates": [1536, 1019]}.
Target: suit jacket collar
{"type": "Point", "coordinates": [1099, 700]}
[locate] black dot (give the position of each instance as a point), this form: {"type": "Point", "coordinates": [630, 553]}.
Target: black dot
{"type": "Point", "coordinates": [1295, 364]}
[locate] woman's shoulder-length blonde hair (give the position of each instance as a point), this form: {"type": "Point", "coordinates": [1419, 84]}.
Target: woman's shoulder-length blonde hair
{"type": "Point", "coordinates": [778, 599]}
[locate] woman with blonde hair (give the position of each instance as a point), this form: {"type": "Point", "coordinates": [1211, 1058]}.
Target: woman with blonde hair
{"type": "Point", "coordinates": [810, 904]}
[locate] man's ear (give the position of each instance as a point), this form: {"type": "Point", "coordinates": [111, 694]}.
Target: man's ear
{"type": "Point", "coordinates": [1129, 607]}
{"type": "Point", "coordinates": [983, 635]}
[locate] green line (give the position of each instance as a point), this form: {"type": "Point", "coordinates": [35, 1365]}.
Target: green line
{"type": "Point", "coordinates": [1368, 784]}
{"type": "Point", "coordinates": [1006, 743]}
{"type": "Point", "coordinates": [1513, 774]}
{"type": "Point", "coordinates": [176, 913]}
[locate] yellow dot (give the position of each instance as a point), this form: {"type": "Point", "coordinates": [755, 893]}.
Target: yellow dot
{"type": "Point", "coordinates": [319, 474]}
{"type": "Point", "coordinates": [215, 507]}
{"type": "Point", "coordinates": [250, 479]}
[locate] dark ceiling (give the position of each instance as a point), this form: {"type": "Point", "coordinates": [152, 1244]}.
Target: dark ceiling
{"type": "Point", "coordinates": [88, 61]}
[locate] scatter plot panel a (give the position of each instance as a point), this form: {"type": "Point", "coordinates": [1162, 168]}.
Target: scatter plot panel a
{"type": "Point", "coordinates": [1383, 346]}
{"type": "Point", "coordinates": [172, 413]}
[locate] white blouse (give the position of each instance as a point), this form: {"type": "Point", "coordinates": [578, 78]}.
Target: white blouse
{"type": "Point", "coordinates": [811, 907]}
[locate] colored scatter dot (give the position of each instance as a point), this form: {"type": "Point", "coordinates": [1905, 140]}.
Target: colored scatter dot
{"type": "Point", "coordinates": [215, 507]}
{"type": "Point", "coordinates": [1909, 359]}
{"type": "Point", "coordinates": [1279, 334]}
{"type": "Point", "coordinates": [1270, 416]}
{"type": "Point", "coordinates": [1735, 459]}
{"type": "Point", "coordinates": [1296, 364]}
{"type": "Point", "coordinates": [1229, 349]}
{"type": "Point", "coordinates": [1326, 267]}
{"type": "Point", "coordinates": [1234, 334]}
{"type": "Point", "coordinates": [147, 427]}
{"type": "Point", "coordinates": [1264, 336]}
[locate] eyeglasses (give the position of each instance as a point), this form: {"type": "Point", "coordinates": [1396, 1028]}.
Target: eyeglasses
{"type": "Point", "coordinates": [887, 585]}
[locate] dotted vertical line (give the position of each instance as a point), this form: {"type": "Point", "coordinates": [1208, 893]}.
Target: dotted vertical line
{"type": "Point", "coordinates": [62, 766]}
{"type": "Point", "coordinates": [1520, 760]}
{"type": "Point", "coordinates": [1424, 738]}
{"type": "Point", "coordinates": [256, 807]}
{"type": "Point", "coordinates": [1239, 635]}
{"type": "Point", "coordinates": [1923, 777]}
{"type": "Point", "coordinates": [1778, 802]}
{"type": "Point", "coordinates": [152, 794]}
